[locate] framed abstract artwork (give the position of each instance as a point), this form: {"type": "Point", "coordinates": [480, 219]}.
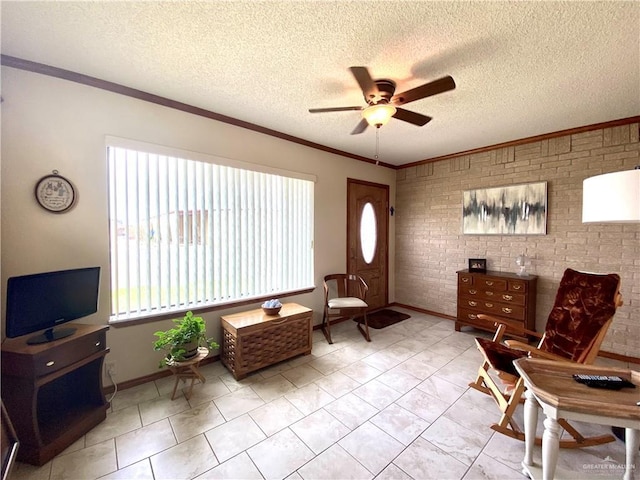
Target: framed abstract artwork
{"type": "Point", "coordinates": [509, 210]}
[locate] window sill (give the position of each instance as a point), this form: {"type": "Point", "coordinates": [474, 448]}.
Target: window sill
{"type": "Point", "coordinates": [129, 322]}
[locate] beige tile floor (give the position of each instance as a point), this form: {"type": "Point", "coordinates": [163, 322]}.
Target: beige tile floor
{"type": "Point", "coordinates": [396, 408]}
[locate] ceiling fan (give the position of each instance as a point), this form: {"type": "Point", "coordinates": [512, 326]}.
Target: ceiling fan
{"type": "Point", "coordinates": [383, 103]}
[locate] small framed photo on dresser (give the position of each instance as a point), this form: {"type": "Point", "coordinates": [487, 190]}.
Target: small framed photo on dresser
{"type": "Point", "coordinates": [478, 265]}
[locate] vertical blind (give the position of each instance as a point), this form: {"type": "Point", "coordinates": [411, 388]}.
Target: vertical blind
{"type": "Point", "coordinates": [187, 233]}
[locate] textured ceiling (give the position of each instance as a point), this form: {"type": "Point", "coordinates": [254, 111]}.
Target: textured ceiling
{"type": "Point", "coordinates": [521, 68]}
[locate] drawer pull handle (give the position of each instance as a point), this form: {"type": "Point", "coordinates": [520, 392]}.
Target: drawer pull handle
{"type": "Point", "coordinates": [489, 282]}
{"type": "Point", "coordinates": [488, 305]}
{"type": "Point", "coordinates": [472, 303]}
{"type": "Point", "coordinates": [98, 343]}
{"type": "Point", "coordinates": [473, 292]}
{"type": "Point", "coordinates": [516, 287]}
{"type": "Point", "coordinates": [507, 310]}
{"type": "Point", "coordinates": [507, 297]}
{"type": "Point", "coordinates": [488, 293]}
{"type": "Point", "coordinates": [465, 280]}
{"type": "Point", "coordinates": [472, 316]}
{"type": "Point", "coordinates": [279, 322]}
{"type": "Point", "coordinates": [50, 363]}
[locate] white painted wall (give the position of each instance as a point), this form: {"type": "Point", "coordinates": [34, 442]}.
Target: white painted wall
{"type": "Point", "coordinates": [50, 124]}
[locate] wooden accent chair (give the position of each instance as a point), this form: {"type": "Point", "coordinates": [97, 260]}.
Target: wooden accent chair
{"type": "Point", "coordinates": [344, 295]}
{"type": "Point", "coordinates": [583, 310]}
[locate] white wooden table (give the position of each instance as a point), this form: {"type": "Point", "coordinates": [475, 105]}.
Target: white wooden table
{"type": "Point", "coordinates": [550, 386]}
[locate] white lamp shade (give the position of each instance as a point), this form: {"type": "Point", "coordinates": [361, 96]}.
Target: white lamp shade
{"type": "Point", "coordinates": [612, 198]}
{"type": "Point", "coordinates": [380, 114]}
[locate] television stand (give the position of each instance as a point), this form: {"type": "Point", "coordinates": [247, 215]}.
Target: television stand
{"type": "Point", "coordinates": [53, 391]}
{"type": "Point", "coordinates": [50, 335]}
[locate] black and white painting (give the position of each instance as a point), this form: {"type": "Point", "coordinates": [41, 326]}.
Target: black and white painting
{"type": "Point", "coordinates": [512, 210]}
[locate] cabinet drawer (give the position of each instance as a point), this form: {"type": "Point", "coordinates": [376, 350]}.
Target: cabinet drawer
{"type": "Point", "coordinates": [470, 317]}
{"type": "Point", "coordinates": [513, 298]}
{"type": "Point", "coordinates": [471, 292]}
{"type": "Point", "coordinates": [503, 297]}
{"type": "Point", "coordinates": [481, 294]}
{"type": "Point", "coordinates": [57, 358]}
{"type": "Point", "coordinates": [490, 283]}
{"type": "Point", "coordinates": [465, 279]}
{"type": "Point", "coordinates": [490, 307]}
{"type": "Point", "coordinates": [517, 286]}
{"type": "Point", "coordinates": [22, 360]}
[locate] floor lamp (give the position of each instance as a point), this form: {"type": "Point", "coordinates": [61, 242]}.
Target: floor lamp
{"type": "Point", "coordinates": [612, 198]}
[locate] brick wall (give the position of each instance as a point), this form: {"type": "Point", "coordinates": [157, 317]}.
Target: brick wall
{"type": "Point", "coordinates": [430, 247]}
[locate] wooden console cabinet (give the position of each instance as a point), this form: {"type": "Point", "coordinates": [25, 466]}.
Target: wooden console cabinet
{"type": "Point", "coordinates": [253, 340]}
{"type": "Point", "coordinates": [53, 391]}
{"type": "Point", "coordinates": [500, 294]}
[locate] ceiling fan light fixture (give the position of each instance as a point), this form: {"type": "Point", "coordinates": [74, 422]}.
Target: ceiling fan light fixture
{"type": "Point", "coordinates": [379, 114]}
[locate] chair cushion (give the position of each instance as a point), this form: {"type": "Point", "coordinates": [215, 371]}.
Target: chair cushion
{"type": "Point", "coordinates": [584, 303]}
{"type": "Point", "coordinates": [347, 302]}
{"type": "Point", "coordinates": [499, 356]}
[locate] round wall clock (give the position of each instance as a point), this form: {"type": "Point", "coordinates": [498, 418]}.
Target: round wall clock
{"type": "Point", "coordinates": [55, 193]}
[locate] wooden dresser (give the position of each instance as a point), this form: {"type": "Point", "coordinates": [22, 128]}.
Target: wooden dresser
{"type": "Point", "coordinates": [500, 294]}
{"type": "Point", "coordinates": [253, 340]}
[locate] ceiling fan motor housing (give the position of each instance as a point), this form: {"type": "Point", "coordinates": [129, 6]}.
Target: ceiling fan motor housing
{"type": "Point", "coordinates": [386, 89]}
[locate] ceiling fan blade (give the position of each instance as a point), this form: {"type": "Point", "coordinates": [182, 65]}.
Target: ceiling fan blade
{"type": "Point", "coordinates": [367, 85]}
{"type": "Point", "coordinates": [411, 117]}
{"type": "Point", "coordinates": [443, 84]}
{"type": "Point", "coordinates": [361, 127]}
{"type": "Point", "coordinates": [333, 109]}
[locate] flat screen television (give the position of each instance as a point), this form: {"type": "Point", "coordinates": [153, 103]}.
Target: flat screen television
{"type": "Point", "coordinates": [43, 301]}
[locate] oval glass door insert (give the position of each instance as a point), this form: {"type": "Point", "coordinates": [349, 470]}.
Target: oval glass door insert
{"type": "Point", "coordinates": [368, 232]}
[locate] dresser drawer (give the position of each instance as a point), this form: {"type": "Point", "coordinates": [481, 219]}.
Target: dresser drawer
{"type": "Point", "coordinates": [465, 279]}
{"type": "Point", "coordinates": [517, 286]}
{"type": "Point", "coordinates": [470, 317]}
{"type": "Point", "coordinates": [491, 283]}
{"type": "Point", "coordinates": [488, 294]}
{"type": "Point", "coordinates": [504, 297]}
{"type": "Point", "coordinates": [490, 307]}
{"type": "Point", "coordinates": [513, 298]}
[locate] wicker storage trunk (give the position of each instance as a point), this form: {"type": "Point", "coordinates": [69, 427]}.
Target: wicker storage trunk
{"type": "Point", "coordinates": [252, 340]}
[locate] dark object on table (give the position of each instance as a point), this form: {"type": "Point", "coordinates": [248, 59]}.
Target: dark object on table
{"type": "Point", "coordinates": [478, 265]}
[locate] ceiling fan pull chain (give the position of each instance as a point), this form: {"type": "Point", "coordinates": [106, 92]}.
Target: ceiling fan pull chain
{"type": "Point", "coordinates": [377, 144]}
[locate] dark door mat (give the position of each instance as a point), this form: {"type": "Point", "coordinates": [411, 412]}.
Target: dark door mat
{"type": "Point", "coordinates": [383, 318]}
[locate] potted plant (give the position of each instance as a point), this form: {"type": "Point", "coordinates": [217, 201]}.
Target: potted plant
{"type": "Point", "coordinates": [182, 341]}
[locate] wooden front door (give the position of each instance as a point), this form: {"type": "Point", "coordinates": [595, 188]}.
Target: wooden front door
{"type": "Point", "coordinates": [368, 237]}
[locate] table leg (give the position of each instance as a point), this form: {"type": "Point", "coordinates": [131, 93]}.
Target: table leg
{"type": "Point", "coordinates": [175, 384]}
{"type": "Point", "coordinates": [632, 442]}
{"type": "Point", "coordinates": [550, 446]}
{"type": "Point", "coordinates": [530, 422]}
{"type": "Point", "coordinates": [195, 373]}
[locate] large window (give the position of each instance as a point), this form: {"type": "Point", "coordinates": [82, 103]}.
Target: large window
{"type": "Point", "coordinates": [188, 231]}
